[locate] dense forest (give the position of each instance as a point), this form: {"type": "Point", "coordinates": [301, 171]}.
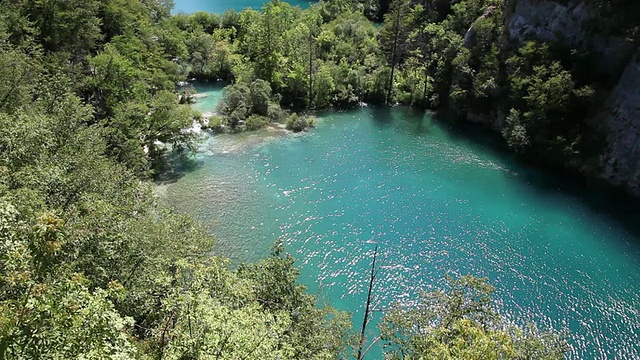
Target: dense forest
{"type": "Point", "coordinates": [453, 57]}
{"type": "Point", "coordinates": [92, 267]}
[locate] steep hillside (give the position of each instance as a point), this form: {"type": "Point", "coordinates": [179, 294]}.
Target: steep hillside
{"type": "Point", "coordinates": [605, 33]}
{"type": "Point", "coordinates": [559, 79]}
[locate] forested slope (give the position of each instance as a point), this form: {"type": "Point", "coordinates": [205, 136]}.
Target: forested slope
{"type": "Point", "coordinates": [557, 78]}
{"type": "Point", "coordinates": [542, 73]}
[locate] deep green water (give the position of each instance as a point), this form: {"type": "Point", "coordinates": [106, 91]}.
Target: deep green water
{"type": "Point", "coordinates": [220, 6]}
{"type": "Point", "coordinates": [438, 201]}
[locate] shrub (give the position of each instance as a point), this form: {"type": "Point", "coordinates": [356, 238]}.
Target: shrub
{"type": "Point", "coordinates": [256, 122]}
{"type": "Point", "coordinates": [275, 112]}
{"type": "Point", "coordinates": [299, 123]}
{"type": "Point", "coordinates": [216, 123]}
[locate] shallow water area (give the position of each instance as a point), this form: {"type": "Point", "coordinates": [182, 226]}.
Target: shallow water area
{"type": "Point", "coordinates": [438, 201]}
{"type": "Point", "coordinates": [207, 96]}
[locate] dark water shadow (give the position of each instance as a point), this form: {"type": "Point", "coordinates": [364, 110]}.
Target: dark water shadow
{"type": "Point", "coordinates": [382, 115]}
{"type": "Point", "coordinates": [599, 197]}
{"type": "Point", "coordinates": [177, 166]}
{"type": "Point", "coordinates": [415, 121]}
{"type": "Point", "coordinates": [613, 203]}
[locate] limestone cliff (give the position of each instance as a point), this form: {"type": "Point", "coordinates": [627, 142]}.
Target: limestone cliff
{"type": "Point", "coordinates": [620, 120]}
{"type": "Point", "coordinates": [575, 23]}
{"type": "Point", "coordinates": [579, 24]}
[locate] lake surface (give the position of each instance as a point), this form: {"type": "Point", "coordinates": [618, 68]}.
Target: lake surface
{"type": "Point", "coordinates": [437, 201]}
{"type": "Point", "coordinates": [220, 6]}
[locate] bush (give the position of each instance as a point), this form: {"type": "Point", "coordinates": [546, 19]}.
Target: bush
{"type": "Point", "coordinates": [515, 133]}
{"type": "Point", "coordinates": [216, 123]}
{"type": "Point", "coordinates": [275, 112]}
{"type": "Point", "coordinates": [299, 123]}
{"type": "Point", "coordinates": [240, 101]}
{"type": "Point", "coordinates": [311, 121]}
{"type": "Point", "coordinates": [256, 122]}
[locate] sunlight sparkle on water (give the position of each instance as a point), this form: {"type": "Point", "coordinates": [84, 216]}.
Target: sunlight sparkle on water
{"type": "Point", "coordinates": [437, 202]}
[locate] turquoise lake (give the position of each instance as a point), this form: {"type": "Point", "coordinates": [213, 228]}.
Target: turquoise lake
{"type": "Point", "coordinates": [220, 6]}
{"type": "Point", "coordinates": [439, 200]}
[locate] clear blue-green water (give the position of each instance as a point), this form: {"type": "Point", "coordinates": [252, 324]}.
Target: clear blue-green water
{"type": "Point", "coordinates": [220, 6]}
{"type": "Point", "coordinates": [438, 200]}
{"type": "Point", "coordinates": [207, 96]}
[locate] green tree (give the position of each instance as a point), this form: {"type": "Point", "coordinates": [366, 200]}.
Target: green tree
{"type": "Point", "coordinates": [240, 101]}
{"type": "Point", "coordinates": [302, 52]}
{"type": "Point", "coordinates": [235, 104]}
{"type": "Point", "coordinates": [260, 95]}
{"type": "Point", "coordinates": [115, 80]}
{"type": "Point", "coordinates": [120, 17]}
{"type": "Point", "coordinates": [257, 311]}
{"type": "Point", "coordinates": [47, 312]}
{"type": "Point", "coordinates": [323, 86]}
{"type": "Point", "coordinates": [69, 28]}
{"type": "Point", "coordinates": [546, 103]}
{"type": "Point", "coordinates": [476, 68]}
{"type": "Point", "coordinates": [314, 332]}
{"type": "Point", "coordinates": [18, 71]}
{"type": "Point", "coordinates": [201, 52]}
{"type": "Point", "coordinates": [205, 21]}
{"type": "Point", "coordinates": [462, 323]}
{"type": "Point", "coordinates": [264, 40]}
{"type": "Point", "coordinates": [393, 36]}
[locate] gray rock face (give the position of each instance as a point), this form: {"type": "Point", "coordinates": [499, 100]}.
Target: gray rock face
{"type": "Point", "coordinates": [620, 161]}
{"type": "Point", "coordinates": [548, 20]}
{"type": "Point", "coordinates": [571, 22]}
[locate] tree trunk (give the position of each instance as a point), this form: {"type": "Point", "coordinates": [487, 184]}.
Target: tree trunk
{"type": "Point", "coordinates": [310, 70]}
{"type": "Point", "coordinates": [365, 320]}
{"type": "Point", "coordinates": [394, 55]}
